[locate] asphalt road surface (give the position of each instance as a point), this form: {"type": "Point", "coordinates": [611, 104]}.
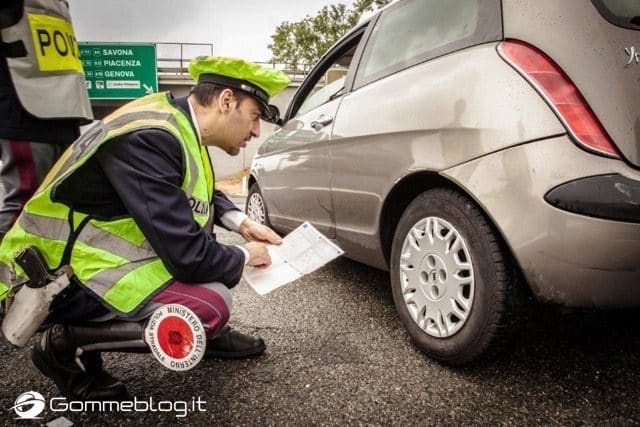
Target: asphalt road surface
{"type": "Point", "coordinates": [337, 354]}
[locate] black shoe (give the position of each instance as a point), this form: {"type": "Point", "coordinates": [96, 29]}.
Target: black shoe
{"type": "Point", "coordinates": [55, 357]}
{"type": "Point", "coordinates": [232, 344]}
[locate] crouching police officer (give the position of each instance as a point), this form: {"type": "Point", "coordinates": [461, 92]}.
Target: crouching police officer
{"type": "Point", "coordinates": [130, 207]}
{"type": "Point", "coordinates": [43, 97]}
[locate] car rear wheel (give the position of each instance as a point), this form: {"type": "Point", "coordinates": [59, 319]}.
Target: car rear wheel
{"type": "Point", "coordinates": [256, 208]}
{"type": "Point", "coordinates": [453, 283]}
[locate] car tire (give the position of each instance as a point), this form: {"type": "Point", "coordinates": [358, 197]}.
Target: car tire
{"type": "Point", "coordinates": [256, 208]}
{"type": "Point", "coordinates": [454, 285]}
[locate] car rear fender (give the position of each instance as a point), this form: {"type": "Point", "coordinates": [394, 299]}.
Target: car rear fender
{"type": "Point", "coordinates": [602, 60]}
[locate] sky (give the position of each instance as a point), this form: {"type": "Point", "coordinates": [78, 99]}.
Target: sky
{"type": "Point", "coordinates": [239, 28]}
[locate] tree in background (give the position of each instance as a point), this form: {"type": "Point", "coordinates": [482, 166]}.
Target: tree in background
{"type": "Point", "coordinates": [361, 6]}
{"type": "Point", "coordinates": [300, 44]}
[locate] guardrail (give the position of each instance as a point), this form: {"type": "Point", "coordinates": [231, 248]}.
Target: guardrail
{"type": "Point", "coordinates": [173, 62]}
{"type": "Point", "coordinates": [173, 59]}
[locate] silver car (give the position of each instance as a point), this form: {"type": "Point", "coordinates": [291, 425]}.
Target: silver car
{"type": "Point", "coordinates": [482, 151]}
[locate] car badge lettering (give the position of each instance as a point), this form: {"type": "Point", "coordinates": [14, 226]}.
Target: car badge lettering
{"type": "Point", "coordinates": [633, 55]}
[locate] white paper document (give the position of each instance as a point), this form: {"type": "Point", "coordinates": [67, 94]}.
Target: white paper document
{"type": "Point", "coordinates": [302, 251]}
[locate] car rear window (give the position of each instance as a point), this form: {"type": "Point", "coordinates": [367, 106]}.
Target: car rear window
{"type": "Point", "coordinates": [414, 31]}
{"type": "Point", "coordinates": [623, 13]}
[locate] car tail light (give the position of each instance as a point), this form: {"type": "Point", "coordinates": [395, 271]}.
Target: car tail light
{"type": "Point", "coordinates": [556, 87]}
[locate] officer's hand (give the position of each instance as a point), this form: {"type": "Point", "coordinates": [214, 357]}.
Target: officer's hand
{"type": "Point", "coordinates": [259, 254]}
{"type": "Point", "coordinates": [254, 232]}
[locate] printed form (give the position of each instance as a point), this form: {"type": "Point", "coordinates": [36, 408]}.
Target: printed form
{"type": "Point", "coordinates": [302, 251]}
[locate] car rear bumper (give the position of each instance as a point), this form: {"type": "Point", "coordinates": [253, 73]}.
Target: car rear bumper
{"type": "Point", "coordinates": [584, 259]}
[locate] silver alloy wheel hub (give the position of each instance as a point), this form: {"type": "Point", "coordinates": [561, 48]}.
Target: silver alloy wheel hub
{"type": "Point", "coordinates": [436, 275]}
{"type": "Point", "coordinates": [255, 208]}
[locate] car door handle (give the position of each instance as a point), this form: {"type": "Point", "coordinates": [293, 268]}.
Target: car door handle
{"type": "Point", "coordinates": [321, 122]}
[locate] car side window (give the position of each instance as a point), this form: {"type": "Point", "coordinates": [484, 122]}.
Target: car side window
{"type": "Point", "coordinates": [414, 31]}
{"type": "Point", "coordinates": [327, 88]}
{"type": "Point", "coordinates": [328, 80]}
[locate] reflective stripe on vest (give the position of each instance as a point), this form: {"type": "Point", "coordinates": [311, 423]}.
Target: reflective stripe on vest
{"type": "Point", "coordinates": [112, 258]}
{"type": "Point", "coordinates": [52, 228]}
{"type": "Point", "coordinates": [113, 126]}
{"type": "Point", "coordinates": [49, 80]}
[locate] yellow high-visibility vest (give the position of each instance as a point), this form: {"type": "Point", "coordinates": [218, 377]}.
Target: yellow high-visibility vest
{"type": "Point", "coordinates": [113, 259]}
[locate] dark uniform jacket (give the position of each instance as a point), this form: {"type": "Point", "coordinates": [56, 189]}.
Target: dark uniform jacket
{"type": "Point", "coordinates": [15, 122]}
{"type": "Point", "coordinates": [140, 174]}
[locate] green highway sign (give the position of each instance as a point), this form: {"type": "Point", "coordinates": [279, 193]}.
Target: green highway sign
{"type": "Point", "coordinates": [119, 70]}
